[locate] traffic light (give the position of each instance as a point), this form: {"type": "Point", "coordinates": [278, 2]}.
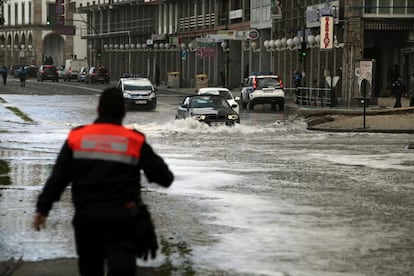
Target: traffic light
{"type": "Point", "coordinates": [303, 52]}
{"type": "Point", "coordinates": [49, 21]}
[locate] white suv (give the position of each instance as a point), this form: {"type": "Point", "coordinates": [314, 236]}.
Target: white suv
{"type": "Point", "coordinates": [138, 92]}
{"type": "Point", "coordinates": [263, 88]}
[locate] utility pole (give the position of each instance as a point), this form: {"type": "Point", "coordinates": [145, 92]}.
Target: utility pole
{"type": "Point", "coordinates": [303, 50]}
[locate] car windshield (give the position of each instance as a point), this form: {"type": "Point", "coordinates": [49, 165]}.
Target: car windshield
{"type": "Point", "coordinates": [268, 82]}
{"type": "Point", "coordinates": [223, 93]}
{"type": "Point", "coordinates": [131, 86]}
{"type": "Point", "coordinates": [216, 102]}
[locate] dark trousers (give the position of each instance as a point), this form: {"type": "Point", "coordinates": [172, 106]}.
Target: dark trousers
{"type": "Point", "coordinates": [107, 240]}
{"type": "Point", "coordinates": [397, 100]}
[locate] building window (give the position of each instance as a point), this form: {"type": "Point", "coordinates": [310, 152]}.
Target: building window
{"type": "Point", "coordinates": [16, 14]}
{"type": "Point", "coordinates": [388, 8]}
{"type": "Point", "coordinates": [23, 14]}
{"type": "Point", "coordinates": [9, 15]}
{"type": "Point", "coordinates": [51, 11]}
{"type": "Point", "coordinates": [30, 12]}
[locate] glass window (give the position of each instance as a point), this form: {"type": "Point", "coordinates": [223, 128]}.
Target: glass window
{"type": "Point", "coordinates": [268, 82]}
{"type": "Point", "coordinates": [23, 14]}
{"type": "Point", "coordinates": [384, 7]}
{"type": "Point", "coordinates": [370, 6]}
{"type": "Point", "coordinates": [399, 7]}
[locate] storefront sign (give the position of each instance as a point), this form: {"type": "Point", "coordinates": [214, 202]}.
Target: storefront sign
{"type": "Point", "coordinates": [254, 34]}
{"type": "Point", "coordinates": [326, 33]}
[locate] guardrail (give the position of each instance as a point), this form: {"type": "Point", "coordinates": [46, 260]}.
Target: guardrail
{"type": "Point", "coordinates": [311, 96]}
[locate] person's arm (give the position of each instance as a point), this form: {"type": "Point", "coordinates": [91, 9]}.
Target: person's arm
{"type": "Point", "coordinates": [154, 167]}
{"type": "Point", "coordinates": [54, 187]}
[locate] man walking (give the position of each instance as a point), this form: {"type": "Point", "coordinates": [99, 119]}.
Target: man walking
{"type": "Point", "coordinates": [4, 73]}
{"type": "Point", "coordinates": [102, 161]}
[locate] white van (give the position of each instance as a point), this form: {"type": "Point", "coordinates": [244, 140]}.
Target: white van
{"type": "Point", "coordinates": [72, 68]}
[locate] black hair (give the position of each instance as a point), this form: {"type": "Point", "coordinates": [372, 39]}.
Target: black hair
{"type": "Point", "coordinates": [111, 103]}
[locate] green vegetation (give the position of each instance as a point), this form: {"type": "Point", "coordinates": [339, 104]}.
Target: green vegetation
{"type": "Point", "coordinates": [19, 113]}
{"type": "Point", "coordinates": [4, 173]}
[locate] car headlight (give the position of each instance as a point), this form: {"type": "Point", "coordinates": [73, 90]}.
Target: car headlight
{"type": "Point", "coordinates": [232, 116]}
{"type": "Point", "coordinates": [127, 95]}
{"type": "Point", "coordinates": [152, 95]}
{"type": "Point", "coordinates": [199, 117]}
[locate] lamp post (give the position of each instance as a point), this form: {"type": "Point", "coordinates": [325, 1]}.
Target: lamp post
{"type": "Point", "coordinates": [90, 55]}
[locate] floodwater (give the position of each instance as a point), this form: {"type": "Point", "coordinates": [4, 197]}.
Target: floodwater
{"type": "Point", "coordinates": [268, 197]}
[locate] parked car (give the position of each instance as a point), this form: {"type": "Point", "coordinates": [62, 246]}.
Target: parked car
{"type": "Point", "coordinates": [263, 88]}
{"type": "Point", "coordinates": [72, 68]}
{"type": "Point", "coordinates": [210, 109]}
{"type": "Point", "coordinates": [97, 74]}
{"type": "Point", "coordinates": [138, 92]}
{"type": "Point", "coordinates": [82, 74]}
{"type": "Point", "coordinates": [14, 68]}
{"type": "Point", "coordinates": [225, 93]}
{"type": "Point", "coordinates": [61, 71]}
{"type": "Point", "coordinates": [31, 71]}
{"type": "Point", "coordinates": [47, 72]}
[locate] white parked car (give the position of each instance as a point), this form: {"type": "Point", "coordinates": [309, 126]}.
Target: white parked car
{"type": "Point", "coordinates": [223, 92]}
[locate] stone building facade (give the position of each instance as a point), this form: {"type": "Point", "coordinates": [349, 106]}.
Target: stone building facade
{"type": "Point", "coordinates": [226, 40]}
{"type": "Point", "coordinates": [27, 38]}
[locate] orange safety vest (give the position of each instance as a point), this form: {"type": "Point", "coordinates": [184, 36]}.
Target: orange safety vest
{"type": "Point", "coordinates": [107, 142]}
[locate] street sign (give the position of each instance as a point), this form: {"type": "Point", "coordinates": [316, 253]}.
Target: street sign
{"type": "Point", "coordinates": [65, 30]}
{"type": "Point", "coordinates": [212, 38]}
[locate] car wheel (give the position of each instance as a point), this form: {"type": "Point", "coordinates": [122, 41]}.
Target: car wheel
{"type": "Point", "coordinates": [251, 106]}
{"type": "Point", "coordinates": [242, 103]}
{"type": "Point", "coordinates": [273, 105]}
{"type": "Point", "coordinates": [281, 107]}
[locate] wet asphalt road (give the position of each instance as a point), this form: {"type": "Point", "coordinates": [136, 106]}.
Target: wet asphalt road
{"type": "Point", "coordinates": [267, 197]}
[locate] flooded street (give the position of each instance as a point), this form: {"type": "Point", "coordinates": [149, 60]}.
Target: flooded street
{"type": "Point", "coordinates": [266, 197]}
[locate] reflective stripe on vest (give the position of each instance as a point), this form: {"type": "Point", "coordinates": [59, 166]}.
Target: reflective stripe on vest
{"type": "Point", "coordinates": [106, 142]}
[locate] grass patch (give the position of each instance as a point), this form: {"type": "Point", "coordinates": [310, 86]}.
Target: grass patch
{"type": "Point", "coordinates": [4, 173]}
{"type": "Point", "coordinates": [19, 113]}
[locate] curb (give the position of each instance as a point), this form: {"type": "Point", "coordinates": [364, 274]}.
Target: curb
{"type": "Point", "coordinates": [362, 130]}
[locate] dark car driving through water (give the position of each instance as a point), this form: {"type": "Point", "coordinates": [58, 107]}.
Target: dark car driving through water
{"type": "Point", "coordinates": [213, 110]}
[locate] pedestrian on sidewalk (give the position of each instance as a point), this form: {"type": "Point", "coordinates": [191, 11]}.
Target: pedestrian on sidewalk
{"type": "Point", "coordinates": [4, 73]}
{"type": "Point", "coordinates": [22, 75]}
{"type": "Point", "coordinates": [297, 79]}
{"type": "Point", "coordinates": [397, 90]}
{"type": "Point", "coordinates": [102, 161]}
